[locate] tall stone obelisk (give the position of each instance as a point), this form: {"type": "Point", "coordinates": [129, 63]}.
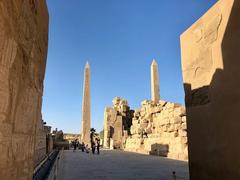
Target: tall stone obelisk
{"type": "Point", "coordinates": [85, 134]}
{"type": "Point", "coordinates": [155, 82]}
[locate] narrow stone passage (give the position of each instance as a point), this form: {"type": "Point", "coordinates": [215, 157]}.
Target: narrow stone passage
{"type": "Point", "coordinates": [119, 165]}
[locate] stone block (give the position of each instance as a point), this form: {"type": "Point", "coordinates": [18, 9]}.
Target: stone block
{"type": "Point", "coordinates": [177, 126]}
{"type": "Point", "coordinates": [179, 111]}
{"type": "Point", "coordinates": [184, 140]}
{"type": "Point", "coordinates": [182, 133]}
{"type": "Point", "coordinates": [177, 119]}
{"type": "Point", "coordinates": [184, 119]}
{"type": "Point", "coordinates": [184, 126]}
{"type": "Point", "coordinates": [171, 128]}
{"type": "Point", "coordinates": [162, 103]}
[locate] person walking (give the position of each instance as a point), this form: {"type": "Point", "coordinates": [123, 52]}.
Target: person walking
{"type": "Point", "coordinates": [86, 148]}
{"type": "Point", "coordinates": [98, 146]}
{"type": "Point", "coordinates": [93, 147]}
{"type": "Point", "coordinates": [74, 146]}
{"type": "Point", "coordinates": [83, 147]}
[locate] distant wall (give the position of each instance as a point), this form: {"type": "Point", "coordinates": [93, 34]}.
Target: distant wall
{"type": "Point", "coordinates": [210, 63]}
{"type": "Point", "coordinates": [23, 52]}
{"type": "Point", "coordinates": [44, 142]}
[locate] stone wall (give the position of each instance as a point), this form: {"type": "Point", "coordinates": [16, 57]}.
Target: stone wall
{"type": "Point", "coordinates": [117, 120]}
{"type": "Point", "coordinates": [44, 143]}
{"type": "Point", "coordinates": [23, 51]}
{"type": "Point", "coordinates": [71, 137]}
{"type": "Point", "coordinates": [210, 63]}
{"type": "Point", "coordinates": [159, 129]}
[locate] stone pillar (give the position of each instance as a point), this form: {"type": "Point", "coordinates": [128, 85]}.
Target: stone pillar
{"type": "Point", "coordinates": [154, 82]}
{"type": "Point", "coordinates": [86, 106]}
{"type": "Point", "coordinates": [210, 63]}
{"type": "Point", "coordinates": [23, 53]}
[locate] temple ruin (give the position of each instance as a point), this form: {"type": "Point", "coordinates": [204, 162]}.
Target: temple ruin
{"type": "Point", "coordinates": [206, 131]}
{"type": "Point", "coordinates": [117, 123]}
{"type": "Point", "coordinates": [157, 128]}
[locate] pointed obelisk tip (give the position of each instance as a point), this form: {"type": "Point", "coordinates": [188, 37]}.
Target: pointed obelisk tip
{"type": "Point", "coordinates": [87, 65]}
{"type": "Point", "coordinates": [154, 62]}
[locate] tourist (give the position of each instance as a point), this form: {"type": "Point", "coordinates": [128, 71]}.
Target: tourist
{"type": "Point", "coordinates": [74, 146]}
{"type": "Point", "coordinates": [93, 147]}
{"type": "Point", "coordinates": [86, 148]}
{"type": "Point", "coordinates": [98, 146]}
{"type": "Point", "coordinates": [174, 175]}
{"type": "Point", "coordinates": [83, 147]}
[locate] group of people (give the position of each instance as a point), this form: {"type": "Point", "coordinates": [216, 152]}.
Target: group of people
{"type": "Point", "coordinates": [95, 145]}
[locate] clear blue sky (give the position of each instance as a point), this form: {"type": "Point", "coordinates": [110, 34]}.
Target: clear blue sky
{"type": "Point", "coordinates": [120, 39]}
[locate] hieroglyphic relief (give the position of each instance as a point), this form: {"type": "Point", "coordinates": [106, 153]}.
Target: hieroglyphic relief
{"type": "Point", "coordinates": [199, 65]}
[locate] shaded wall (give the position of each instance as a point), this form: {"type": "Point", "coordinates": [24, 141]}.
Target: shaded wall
{"type": "Point", "coordinates": [210, 63]}
{"type": "Point", "coordinates": [23, 51]}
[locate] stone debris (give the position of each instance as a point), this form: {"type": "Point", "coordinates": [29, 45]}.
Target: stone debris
{"type": "Point", "coordinates": [159, 129]}
{"type": "Point", "coordinates": [155, 128]}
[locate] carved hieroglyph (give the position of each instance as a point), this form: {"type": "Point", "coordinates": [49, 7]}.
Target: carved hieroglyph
{"type": "Point", "coordinates": [198, 63]}
{"type": "Point", "coordinates": [86, 106]}
{"type": "Point", "coordinates": [210, 63]}
{"type": "Point", "coordinates": [154, 82]}
{"type": "Point", "coordinates": [23, 52]}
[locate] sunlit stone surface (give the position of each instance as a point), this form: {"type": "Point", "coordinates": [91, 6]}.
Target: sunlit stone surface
{"type": "Point", "coordinates": [210, 63]}
{"type": "Point", "coordinates": [23, 52]}
{"type": "Point", "coordinates": [86, 106]}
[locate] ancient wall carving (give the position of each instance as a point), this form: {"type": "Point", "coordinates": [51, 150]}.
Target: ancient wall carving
{"type": "Point", "coordinates": [23, 51]}
{"type": "Point", "coordinates": [44, 142]}
{"type": "Point", "coordinates": [210, 64]}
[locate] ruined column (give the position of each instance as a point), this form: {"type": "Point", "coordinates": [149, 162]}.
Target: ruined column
{"type": "Point", "coordinates": [210, 64]}
{"type": "Point", "coordinates": [154, 82]}
{"type": "Point", "coordinates": [85, 136]}
{"type": "Point", "coordinates": [23, 53]}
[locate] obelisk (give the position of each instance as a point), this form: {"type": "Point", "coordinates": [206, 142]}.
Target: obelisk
{"type": "Point", "coordinates": [154, 82]}
{"type": "Point", "coordinates": [85, 134]}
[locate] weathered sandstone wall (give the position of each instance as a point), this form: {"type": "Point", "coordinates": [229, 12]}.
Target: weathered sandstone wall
{"type": "Point", "coordinates": [44, 143]}
{"type": "Point", "coordinates": [210, 64]}
{"type": "Point", "coordinates": [117, 122]}
{"type": "Point", "coordinates": [23, 51]}
{"type": "Point", "coordinates": [159, 129]}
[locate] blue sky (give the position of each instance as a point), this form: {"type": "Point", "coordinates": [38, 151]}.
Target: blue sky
{"type": "Point", "coordinates": [119, 39]}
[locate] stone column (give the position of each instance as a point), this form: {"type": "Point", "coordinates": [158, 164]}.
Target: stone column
{"type": "Point", "coordinates": [86, 106]}
{"type": "Point", "coordinates": [155, 82]}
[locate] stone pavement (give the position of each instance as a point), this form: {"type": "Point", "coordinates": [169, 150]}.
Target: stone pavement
{"type": "Point", "coordinates": [119, 165]}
